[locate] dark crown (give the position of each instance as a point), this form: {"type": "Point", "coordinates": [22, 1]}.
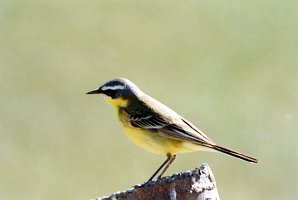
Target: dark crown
{"type": "Point", "coordinates": [119, 87]}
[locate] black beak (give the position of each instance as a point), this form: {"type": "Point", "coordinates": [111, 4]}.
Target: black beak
{"type": "Point", "coordinates": [98, 91]}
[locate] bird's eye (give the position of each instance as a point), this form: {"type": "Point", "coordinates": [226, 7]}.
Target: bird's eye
{"type": "Point", "coordinates": [110, 92]}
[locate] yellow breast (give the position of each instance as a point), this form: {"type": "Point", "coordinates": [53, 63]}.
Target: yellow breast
{"type": "Point", "coordinates": [155, 143]}
{"type": "Point", "coordinates": [151, 141]}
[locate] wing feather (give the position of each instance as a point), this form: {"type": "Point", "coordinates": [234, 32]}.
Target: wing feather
{"type": "Point", "coordinates": [156, 124]}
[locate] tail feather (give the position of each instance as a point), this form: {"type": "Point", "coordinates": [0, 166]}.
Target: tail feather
{"type": "Point", "coordinates": [234, 153]}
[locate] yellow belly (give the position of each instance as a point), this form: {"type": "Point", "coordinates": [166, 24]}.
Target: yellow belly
{"type": "Point", "coordinates": [155, 143]}
{"type": "Point", "coordinates": [152, 142]}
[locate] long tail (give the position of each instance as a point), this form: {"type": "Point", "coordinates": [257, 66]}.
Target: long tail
{"type": "Point", "coordinates": [234, 153]}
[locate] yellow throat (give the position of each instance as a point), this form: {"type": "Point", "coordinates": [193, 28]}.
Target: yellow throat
{"type": "Point", "coordinates": [116, 103]}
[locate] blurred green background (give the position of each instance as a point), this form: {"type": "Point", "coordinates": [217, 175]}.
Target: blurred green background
{"type": "Point", "coordinates": [230, 67]}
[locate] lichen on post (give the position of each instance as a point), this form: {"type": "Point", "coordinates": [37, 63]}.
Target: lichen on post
{"type": "Point", "coordinates": [198, 184]}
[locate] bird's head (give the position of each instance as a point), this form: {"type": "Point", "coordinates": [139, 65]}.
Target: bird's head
{"type": "Point", "coordinates": [118, 91]}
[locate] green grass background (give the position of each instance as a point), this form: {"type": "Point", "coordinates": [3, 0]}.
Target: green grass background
{"type": "Point", "coordinates": [230, 67]}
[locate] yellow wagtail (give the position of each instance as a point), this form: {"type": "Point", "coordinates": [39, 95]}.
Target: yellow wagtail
{"type": "Point", "coordinates": [154, 126]}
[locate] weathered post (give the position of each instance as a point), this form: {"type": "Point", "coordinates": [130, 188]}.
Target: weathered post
{"type": "Point", "coordinates": [198, 184]}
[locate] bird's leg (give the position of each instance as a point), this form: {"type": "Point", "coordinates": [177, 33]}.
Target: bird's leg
{"type": "Point", "coordinates": [172, 158]}
{"type": "Point", "coordinates": [162, 165]}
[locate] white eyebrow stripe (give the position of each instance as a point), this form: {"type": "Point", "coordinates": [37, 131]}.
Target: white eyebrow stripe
{"type": "Point", "coordinates": [115, 87]}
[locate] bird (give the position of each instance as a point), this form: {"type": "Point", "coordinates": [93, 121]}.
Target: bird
{"type": "Point", "coordinates": [156, 127]}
